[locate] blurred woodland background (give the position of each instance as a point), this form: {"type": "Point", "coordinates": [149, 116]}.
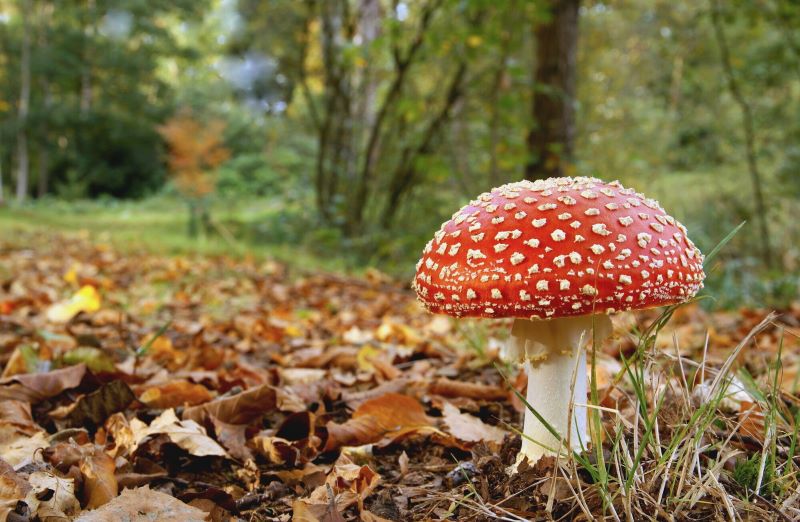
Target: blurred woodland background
{"type": "Point", "coordinates": [343, 132]}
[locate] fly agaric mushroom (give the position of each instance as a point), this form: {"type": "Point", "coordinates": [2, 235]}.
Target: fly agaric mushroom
{"type": "Point", "coordinates": [557, 255]}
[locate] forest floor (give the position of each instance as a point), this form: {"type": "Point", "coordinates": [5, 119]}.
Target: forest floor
{"type": "Point", "coordinates": [219, 388]}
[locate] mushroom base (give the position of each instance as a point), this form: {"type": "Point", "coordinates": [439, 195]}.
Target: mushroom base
{"type": "Point", "coordinates": [555, 360]}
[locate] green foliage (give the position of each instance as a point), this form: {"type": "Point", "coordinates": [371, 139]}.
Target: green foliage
{"type": "Point", "coordinates": [112, 154]}
{"type": "Point", "coordinates": [746, 473]}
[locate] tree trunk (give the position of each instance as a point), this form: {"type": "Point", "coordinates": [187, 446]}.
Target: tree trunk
{"type": "Point", "coordinates": [24, 103]}
{"type": "Point", "coordinates": [2, 190]}
{"type": "Point", "coordinates": [761, 212]}
{"type": "Point", "coordinates": [551, 140]}
{"type": "Point", "coordinates": [43, 162]}
{"type": "Point", "coordinates": [86, 73]}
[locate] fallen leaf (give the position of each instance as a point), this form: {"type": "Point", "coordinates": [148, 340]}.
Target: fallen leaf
{"type": "Point", "coordinates": [144, 505]}
{"type": "Point", "coordinates": [87, 299]}
{"type": "Point", "coordinates": [278, 451]}
{"type": "Point", "coordinates": [99, 482]}
{"type": "Point", "coordinates": [18, 414]}
{"type": "Point", "coordinates": [175, 393]}
{"type": "Point", "coordinates": [471, 390]}
{"type": "Point", "coordinates": [36, 387]}
{"type": "Point", "coordinates": [345, 485]}
{"type": "Point", "coordinates": [402, 461]}
{"type": "Point", "coordinates": [18, 447]}
{"type": "Point", "coordinates": [307, 512]}
{"type": "Point", "coordinates": [292, 376]}
{"type": "Point", "coordinates": [368, 516]}
{"type": "Point", "coordinates": [93, 409]}
{"type": "Point", "coordinates": [52, 496]}
{"type": "Point", "coordinates": [161, 351]}
{"type": "Point", "coordinates": [23, 359]}
{"type": "Point", "coordinates": [751, 420]}
{"type": "Point", "coordinates": [187, 434]}
{"type": "Point", "coordinates": [469, 428]}
{"type": "Point", "coordinates": [12, 486]}
{"type": "Point", "coordinates": [95, 359]}
{"type": "Point", "coordinates": [241, 408]}
{"type": "Point", "coordinates": [390, 415]}
{"type": "Point", "coordinates": [233, 437]}
{"type": "Point", "coordinates": [365, 355]}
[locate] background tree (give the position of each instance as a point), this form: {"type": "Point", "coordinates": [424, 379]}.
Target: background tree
{"type": "Point", "coordinates": [552, 138]}
{"type": "Point", "coordinates": [196, 149]}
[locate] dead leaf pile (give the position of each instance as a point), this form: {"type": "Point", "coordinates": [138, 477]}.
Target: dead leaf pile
{"type": "Point", "coordinates": [197, 388]}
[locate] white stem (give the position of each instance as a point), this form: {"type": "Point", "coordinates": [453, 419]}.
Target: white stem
{"type": "Point", "coordinates": [555, 360]}
{"type": "Point", "coordinates": [550, 394]}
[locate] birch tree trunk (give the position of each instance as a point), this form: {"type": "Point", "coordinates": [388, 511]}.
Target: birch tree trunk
{"type": "Point", "coordinates": [24, 105]}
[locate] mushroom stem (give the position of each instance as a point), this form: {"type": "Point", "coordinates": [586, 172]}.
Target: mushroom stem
{"type": "Point", "coordinates": [553, 352]}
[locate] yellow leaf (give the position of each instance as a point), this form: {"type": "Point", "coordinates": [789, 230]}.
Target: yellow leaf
{"type": "Point", "coordinates": [364, 356]}
{"type": "Point", "coordinates": [474, 40]}
{"type": "Point", "coordinates": [87, 299]}
{"type": "Point", "coordinates": [71, 276]}
{"type": "Point", "coordinates": [293, 331]}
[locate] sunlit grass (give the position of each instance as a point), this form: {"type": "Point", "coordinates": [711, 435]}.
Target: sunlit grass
{"type": "Point", "coordinates": [159, 226]}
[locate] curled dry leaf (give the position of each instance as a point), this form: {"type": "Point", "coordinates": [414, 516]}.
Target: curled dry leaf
{"type": "Point", "coordinates": [186, 434]}
{"type": "Point", "coordinates": [96, 467]}
{"type": "Point", "coordinates": [18, 414]}
{"type": "Point", "coordinates": [36, 387]}
{"type": "Point", "coordinates": [470, 390]}
{"type": "Point", "coordinates": [391, 415]}
{"type": "Point", "coordinates": [278, 451]}
{"type": "Point", "coordinates": [349, 483]}
{"type": "Point", "coordinates": [99, 482]}
{"type": "Point", "coordinates": [469, 428]}
{"type": "Point", "coordinates": [144, 505]}
{"type": "Point", "coordinates": [241, 408]}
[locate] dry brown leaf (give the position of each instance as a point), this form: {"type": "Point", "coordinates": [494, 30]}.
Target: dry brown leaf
{"type": "Point", "coordinates": [385, 416]}
{"type": "Point", "coordinates": [99, 482]}
{"type": "Point", "coordinates": [118, 427]}
{"type": "Point", "coordinates": [468, 428]}
{"type": "Point", "coordinates": [241, 408]}
{"type": "Point", "coordinates": [368, 516]}
{"type": "Point", "coordinates": [144, 505]}
{"type": "Point", "coordinates": [35, 387]}
{"type": "Point", "coordinates": [306, 512]}
{"type": "Point", "coordinates": [346, 484]}
{"type": "Point", "coordinates": [402, 461]}
{"type": "Point", "coordinates": [52, 497]}
{"type": "Point", "coordinates": [16, 364]}
{"type": "Point", "coordinates": [12, 486]}
{"type": "Point", "coordinates": [751, 419]}
{"type": "Point", "coordinates": [278, 451]}
{"type": "Point", "coordinates": [175, 393]}
{"type": "Point", "coordinates": [470, 390]}
{"type": "Point", "coordinates": [18, 415]}
{"type": "Point", "coordinates": [233, 437]}
{"type": "Point", "coordinates": [18, 447]}
{"type": "Point", "coordinates": [187, 434]}
{"type": "Point", "coordinates": [94, 408]}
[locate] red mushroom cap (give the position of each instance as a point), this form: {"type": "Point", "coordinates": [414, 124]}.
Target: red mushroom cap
{"type": "Point", "coordinates": [558, 247]}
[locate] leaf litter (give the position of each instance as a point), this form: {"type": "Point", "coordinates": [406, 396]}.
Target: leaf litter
{"type": "Point", "coordinates": [197, 388]}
